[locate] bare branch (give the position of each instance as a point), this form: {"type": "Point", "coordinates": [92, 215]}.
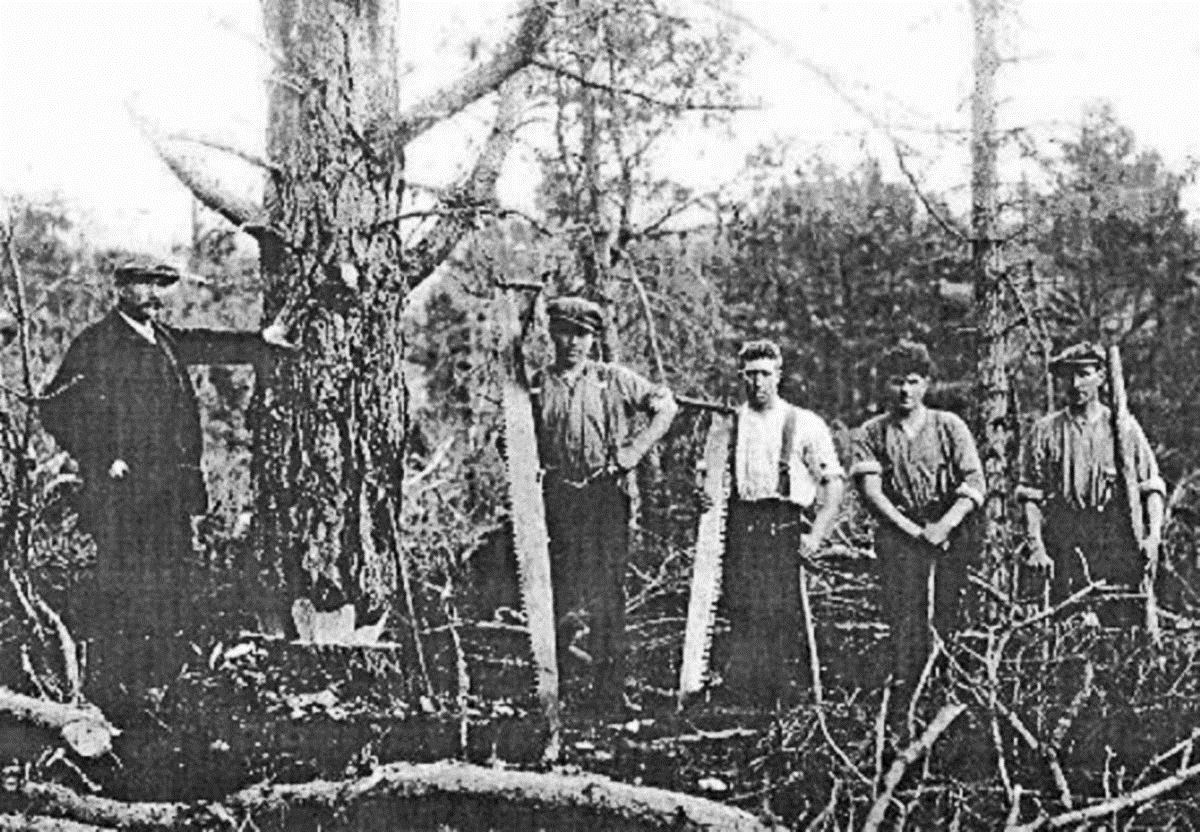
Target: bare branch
{"type": "Point", "coordinates": [241, 213]}
{"type": "Point", "coordinates": [680, 105]}
{"type": "Point", "coordinates": [1113, 805]}
{"type": "Point", "coordinates": [947, 226]}
{"type": "Point", "coordinates": [651, 329]}
{"type": "Point", "coordinates": [477, 83]}
{"type": "Point", "coordinates": [225, 147]}
{"type": "Point", "coordinates": [476, 193]}
{"type": "Point", "coordinates": [911, 754]}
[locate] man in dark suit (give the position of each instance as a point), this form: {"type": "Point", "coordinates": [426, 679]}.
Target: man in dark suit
{"type": "Point", "coordinates": [122, 404]}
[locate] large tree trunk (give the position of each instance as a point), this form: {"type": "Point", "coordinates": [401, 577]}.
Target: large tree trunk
{"type": "Point", "coordinates": [330, 418]}
{"type": "Point", "coordinates": [328, 451]}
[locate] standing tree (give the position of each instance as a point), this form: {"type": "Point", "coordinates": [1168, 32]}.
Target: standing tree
{"type": "Point", "coordinates": [994, 414]}
{"type": "Point", "coordinates": [331, 421]}
{"type": "Point", "coordinates": [621, 78]}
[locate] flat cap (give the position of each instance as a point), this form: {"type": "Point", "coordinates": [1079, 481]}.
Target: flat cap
{"type": "Point", "coordinates": [577, 312]}
{"type": "Point", "coordinates": [144, 271]}
{"type": "Point", "coordinates": [1082, 354]}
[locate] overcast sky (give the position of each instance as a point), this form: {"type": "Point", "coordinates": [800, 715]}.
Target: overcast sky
{"type": "Point", "coordinates": [69, 68]}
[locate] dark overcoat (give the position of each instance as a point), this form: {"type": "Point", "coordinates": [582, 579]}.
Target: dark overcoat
{"type": "Point", "coordinates": [116, 396]}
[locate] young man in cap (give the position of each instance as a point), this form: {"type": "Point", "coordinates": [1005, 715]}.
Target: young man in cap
{"type": "Point", "coordinates": [588, 445]}
{"type": "Point", "coordinates": [122, 404]}
{"type": "Point", "coordinates": [784, 466]}
{"type": "Point", "coordinates": [1074, 529]}
{"type": "Point", "coordinates": [920, 475]}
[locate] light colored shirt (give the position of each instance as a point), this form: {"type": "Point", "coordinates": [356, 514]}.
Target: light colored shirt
{"type": "Point", "coordinates": [142, 328]}
{"type": "Point", "coordinates": [1069, 460]}
{"type": "Point", "coordinates": [584, 419]}
{"type": "Point", "coordinates": [756, 459]}
{"type": "Point", "coordinates": [923, 471]}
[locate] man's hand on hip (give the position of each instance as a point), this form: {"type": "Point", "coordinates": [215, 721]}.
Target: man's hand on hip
{"type": "Point", "coordinates": [1150, 547]}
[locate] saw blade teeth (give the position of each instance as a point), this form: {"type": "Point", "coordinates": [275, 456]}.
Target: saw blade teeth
{"type": "Point", "coordinates": [531, 539]}
{"type": "Point", "coordinates": [710, 549]}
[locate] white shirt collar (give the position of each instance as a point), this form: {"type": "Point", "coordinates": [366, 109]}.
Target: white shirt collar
{"type": "Point", "coordinates": [142, 328]}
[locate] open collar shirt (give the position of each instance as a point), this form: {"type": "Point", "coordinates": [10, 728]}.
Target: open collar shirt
{"type": "Point", "coordinates": [924, 471]}
{"type": "Point", "coordinates": [757, 466]}
{"type": "Point", "coordinates": [585, 417]}
{"type": "Point", "coordinates": [1068, 460]}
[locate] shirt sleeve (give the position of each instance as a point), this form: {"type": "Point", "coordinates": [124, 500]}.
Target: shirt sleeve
{"type": "Point", "coordinates": [969, 469]}
{"type": "Point", "coordinates": [819, 452]}
{"type": "Point", "coordinates": [1032, 467]}
{"type": "Point", "coordinates": [638, 393]}
{"type": "Point", "coordinates": [864, 458]}
{"type": "Point", "coordinates": [1149, 479]}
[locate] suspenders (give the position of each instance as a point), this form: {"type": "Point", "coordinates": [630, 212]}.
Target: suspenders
{"type": "Point", "coordinates": [785, 453]}
{"type": "Point", "coordinates": [787, 448]}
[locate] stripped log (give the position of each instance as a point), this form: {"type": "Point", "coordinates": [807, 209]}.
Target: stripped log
{"type": "Point", "coordinates": [433, 796]}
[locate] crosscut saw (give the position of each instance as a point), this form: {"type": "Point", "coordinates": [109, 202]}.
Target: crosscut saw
{"type": "Point", "coordinates": [710, 549]}
{"type": "Point", "coordinates": [531, 541]}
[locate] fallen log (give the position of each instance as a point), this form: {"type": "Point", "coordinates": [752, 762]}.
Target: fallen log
{"type": "Point", "coordinates": [26, 823]}
{"type": "Point", "coordinates": [83, 727]}
{"type": "Point", "coordinates": [433, 796]}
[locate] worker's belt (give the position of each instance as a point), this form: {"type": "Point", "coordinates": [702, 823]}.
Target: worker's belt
{"type": "Point", "coordinates": [579, 484]}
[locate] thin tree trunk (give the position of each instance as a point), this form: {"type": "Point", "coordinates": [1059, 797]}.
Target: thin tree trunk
{"type": "Point", "coordinates": [994, 416]}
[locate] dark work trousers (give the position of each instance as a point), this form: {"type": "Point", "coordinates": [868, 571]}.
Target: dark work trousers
{"type": "Point", "coordinates": [761, 598]}
{"type": "Point", "coordinates": [135, 607]}
{"type": "Point", "coordinates": [1105, 540]}
{"type": "Point", "coordinates": [589, 547]}
{"type": "Point", "coordinates": [904, 566]}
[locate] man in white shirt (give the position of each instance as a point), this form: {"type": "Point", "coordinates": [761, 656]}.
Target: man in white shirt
{"type": "Point", "coordinates": [787, 486]}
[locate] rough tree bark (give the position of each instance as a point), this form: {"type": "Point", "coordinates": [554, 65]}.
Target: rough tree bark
{"type": "Point", "coordinates": [330, 420]}
{"type": "Point", "coordinates": [994, 416]}
{"type": "Point", "coordinates": [433, 796]}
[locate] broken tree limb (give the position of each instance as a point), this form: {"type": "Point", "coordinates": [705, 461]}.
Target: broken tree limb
{"type": "Point", "coordinates": [1111, 806]}
{"type": "Point", "coordinates": [83, 727]}
{"type": "Point", "coordinates": [475, 193]}
{"type": "Point", "coordinates": [240, 212]}
{"type": "Point", "coordinates": [470, 87]}
{"type": "Point", "coordinates": [911, 754]}
{"type": "Point", "coordinates": [412, 796]}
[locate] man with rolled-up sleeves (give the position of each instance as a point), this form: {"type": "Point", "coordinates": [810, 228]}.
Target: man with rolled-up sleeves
{"type": "Point", "coordinates": [919, 472]}
{"type": "Point", "coordinates": [1075, 530]}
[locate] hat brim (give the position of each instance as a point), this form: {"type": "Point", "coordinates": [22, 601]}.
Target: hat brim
{"type": "Point", "coordinates": [571, 322]}
{"type": "Point", "coordinates": [1071, 363]}
{"type": "Point", "coordinates": [142, 277]}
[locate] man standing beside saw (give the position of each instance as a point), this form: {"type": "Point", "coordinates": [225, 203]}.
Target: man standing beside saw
{"type": "Point", "coordinates": [588, 444]}
{"type": "Point", "coordinates": [784, 465]}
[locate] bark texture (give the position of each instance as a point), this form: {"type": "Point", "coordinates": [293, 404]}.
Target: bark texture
{"type": "Point", "coordinates": [433, 796]}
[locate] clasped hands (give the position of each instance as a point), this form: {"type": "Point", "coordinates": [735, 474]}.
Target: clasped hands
{"type": "Point", "coordinates": [935, 534]}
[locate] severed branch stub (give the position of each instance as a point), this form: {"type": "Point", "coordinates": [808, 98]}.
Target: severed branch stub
{"type": "Point", "coordinates": [83, 727]}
